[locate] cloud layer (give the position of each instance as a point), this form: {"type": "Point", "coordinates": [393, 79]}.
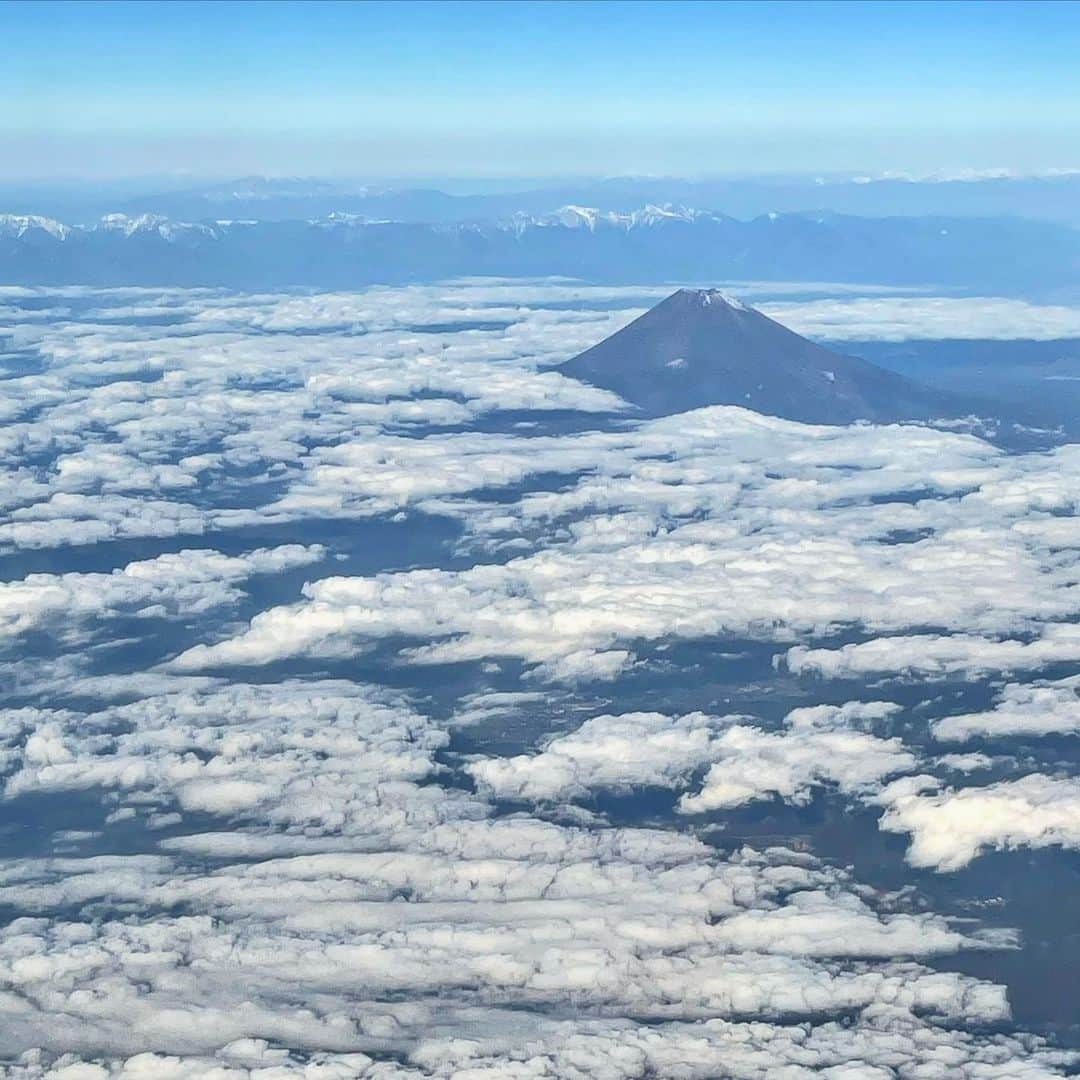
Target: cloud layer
{"type": "Point", "coordinates": [334, 626]}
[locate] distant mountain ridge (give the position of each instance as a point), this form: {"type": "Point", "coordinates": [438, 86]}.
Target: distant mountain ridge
{"type": "Point", "coordinates": [651, 243]}
{"type": "Point", "coordinates": [1048, 197]}
{"type": "Point", "coordinates": [701, 347]}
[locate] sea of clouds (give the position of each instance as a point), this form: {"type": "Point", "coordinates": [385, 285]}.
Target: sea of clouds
{"type": "Point", "coordinates": [361, 712]}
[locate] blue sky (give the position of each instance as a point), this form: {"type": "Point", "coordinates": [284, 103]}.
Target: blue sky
{"type": "Point", "coordinates": [537, 89]}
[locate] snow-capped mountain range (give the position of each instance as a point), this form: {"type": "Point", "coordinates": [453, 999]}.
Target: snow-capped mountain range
{"type": "Point", "coordinates": [17, 226]}
{"type": "Point", "coordinates": [654, 242]}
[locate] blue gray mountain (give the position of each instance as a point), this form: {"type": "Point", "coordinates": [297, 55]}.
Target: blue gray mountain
{"type": "Point", "coordinates": [1048, 198]}
{"type": "Point", "coordinates": [1005, 256]}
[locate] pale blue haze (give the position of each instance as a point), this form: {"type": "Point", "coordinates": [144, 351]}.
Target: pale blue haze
{"type": "Point", "coordinates": [417, 89]}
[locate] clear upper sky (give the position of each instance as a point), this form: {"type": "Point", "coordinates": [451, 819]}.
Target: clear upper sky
{"type": "Point", "coordinates": [494, 89]}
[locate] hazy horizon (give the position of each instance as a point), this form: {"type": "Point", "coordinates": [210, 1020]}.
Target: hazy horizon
{"type": "Point", "coordinates": [467, 88]}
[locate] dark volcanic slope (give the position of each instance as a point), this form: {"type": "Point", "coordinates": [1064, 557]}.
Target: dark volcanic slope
{"type": "Point", "coordinates": [699, 347]}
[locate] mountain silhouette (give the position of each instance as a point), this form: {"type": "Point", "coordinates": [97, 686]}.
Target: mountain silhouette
{"type": "Point", "coordinates": [700, 347]}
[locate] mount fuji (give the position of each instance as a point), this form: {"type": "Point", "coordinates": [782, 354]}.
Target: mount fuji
{"type": "Point", "coordinates": [701, 347]}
